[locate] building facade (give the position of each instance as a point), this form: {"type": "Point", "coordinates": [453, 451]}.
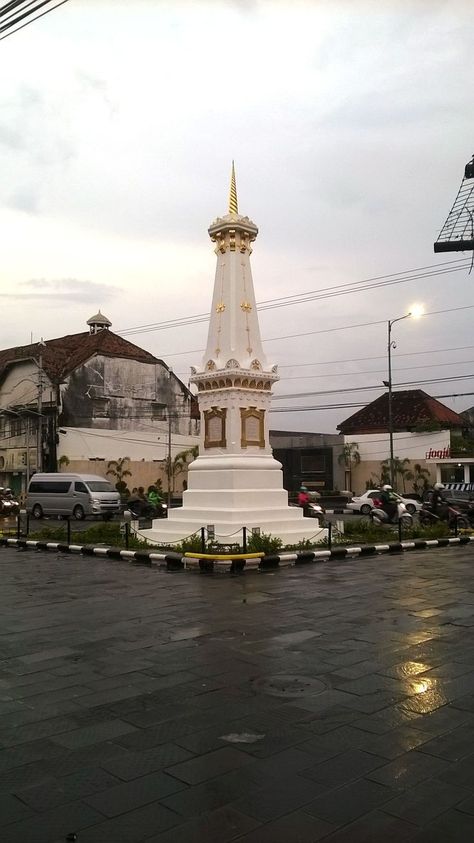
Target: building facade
{"type": "Point", "coordinates": [423, 431]}
{"type": "Point", "coordinates": [88, 398]}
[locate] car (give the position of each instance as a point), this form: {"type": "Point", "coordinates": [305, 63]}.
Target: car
{"type": "Point", "coordinates": [364, 503]}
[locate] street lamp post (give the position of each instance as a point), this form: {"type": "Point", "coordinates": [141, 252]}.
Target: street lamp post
{"type": "Point", "coordinates": [416, 312]}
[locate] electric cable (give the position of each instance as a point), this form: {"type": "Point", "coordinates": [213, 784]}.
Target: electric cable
{"type": "Point", "coordinates": [304, 297]}
{"type": "Point", "coordinates": [17, 20]}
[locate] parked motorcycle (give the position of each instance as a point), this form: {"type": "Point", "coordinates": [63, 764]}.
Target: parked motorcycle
{"type": "Point", "coordinates": [9, 506]}
{"type": "Point", "coordinates": [379, 517]}
{"type": "Point", "coordinates": [447, 513]}
{"type": "Point", "coordinates": [144, 509]}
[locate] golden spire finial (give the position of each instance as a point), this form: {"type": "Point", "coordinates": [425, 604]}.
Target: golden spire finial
{"type": "Point", "coordinates": [233, 207]}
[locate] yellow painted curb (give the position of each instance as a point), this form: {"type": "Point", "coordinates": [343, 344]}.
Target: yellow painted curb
{"type": "Point", "coordinates": [224, 556]}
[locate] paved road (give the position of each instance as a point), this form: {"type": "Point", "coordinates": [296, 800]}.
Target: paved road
{"type": "Point", "coordinates": [331, 702]}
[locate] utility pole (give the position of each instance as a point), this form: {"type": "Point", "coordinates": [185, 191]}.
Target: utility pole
{"type": "Point", "coordinates": [39, 441]}
{"type": "Point", "coordinates": [170, 473]}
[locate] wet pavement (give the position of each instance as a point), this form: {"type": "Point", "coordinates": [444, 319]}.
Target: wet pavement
{"type": "Point", "coordinates": [329, 702]}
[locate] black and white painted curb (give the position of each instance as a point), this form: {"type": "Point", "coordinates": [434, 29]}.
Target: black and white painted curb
{"type": "Point", "coordinates": [176, 561]}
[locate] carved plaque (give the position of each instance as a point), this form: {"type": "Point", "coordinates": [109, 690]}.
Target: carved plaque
{"type": "Point", "coordinates": [214, 428]}
{"type": "Point", "coordinates": [252, 427]}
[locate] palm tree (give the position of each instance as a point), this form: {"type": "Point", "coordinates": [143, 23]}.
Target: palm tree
{"type": "Point", "coordinates": [179, 464]}
{"type": "Point", "coordinates": [349, 457]}
{"type": "Point", "coordinates": [420, 477]}
{"type": "Point", "coordinates": [400, 469]}
{"type": "Point", "coordinates": [116, 468]}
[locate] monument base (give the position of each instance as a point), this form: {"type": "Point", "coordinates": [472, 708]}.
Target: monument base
{"type": "Point", "coordinates": [232, 492]}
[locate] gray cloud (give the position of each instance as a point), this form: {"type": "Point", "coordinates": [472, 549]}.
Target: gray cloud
{"type": "Point", "coordinates": [63, 289]}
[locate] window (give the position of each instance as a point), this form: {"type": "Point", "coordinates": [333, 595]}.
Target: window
{"type": "Point", "coordinates": [55, 487]}
{"type": "Point", "coordinates": [100, 408]}
{"type": "Point", "coordinates": [313, 463]}
{"type": "Point", "coordinates": [452, 474]}
{"type": "Point", "coordinates": [16, 427]}
{"type": "Point", "coordinates": [158, 411]}
{"type": "Point", "coordinates": [80, 487]}
{"type": "Point", "coordinates": [100, 486]}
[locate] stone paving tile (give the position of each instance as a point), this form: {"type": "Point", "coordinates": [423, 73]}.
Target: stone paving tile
{"type": "Point", "coordinates": [75, 816]}
{"type": "Point", "coordinates": [133, 827]}
{"type": "Point", "coordinates": [132, 765]}
{"type": "Point", "coordinates": [208, 766]}
{"type": "Point", "coordinates": [408, 769]}
{"type": "Point", "coordinates": [345, 804]}
{"type": "Point", "coordinates": [26, 753]}
{"type": "Point", "coordinates": [218, 826]}
{"type": "Point", "coordinates": [378, 827]}
{"type": "Point", "coordinates": [129, 795]}
{"type": "Point", "coordinates": [459, 772]}
{"type": "Point", "coordinates": [213, 793]}
{"type": "Point", "coordinates": [74, 786]}
{"type": "Point", "coordinates": [452, 745]}
{"type": "Point", "coordinates": [96, 733]}
{"type": "Point", "coordinates": [68, 761]}
{"type": "Point", "coordinates": [422, 803]}
{"type": "Point", "coordinates": [279, 798]}
{"type": "Point", "coordinates": [297, 827]}
{"type": "Point", "coordinates": [12, 809]}
{"type": "Point", "coordinates": [36, 731]}
{"type": "Point", "coordinates": [345, 767]}
{"type": "Point", "coordinates": [453, 826]}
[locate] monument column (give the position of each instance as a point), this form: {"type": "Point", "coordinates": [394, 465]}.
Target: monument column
{"type": "Point", "coordinates": [235, 481]}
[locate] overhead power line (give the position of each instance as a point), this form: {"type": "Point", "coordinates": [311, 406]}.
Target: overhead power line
{"type": "Point", "coordinates": [292, 395]}
{"type": "Point", "coordinates": [331, 330]}
{"type": "Point", "coordinates": [314, 295]}
{"type": "Point", "coordinates": [19, 13]}
{"type": "Point", "coordinates": [354, 404]}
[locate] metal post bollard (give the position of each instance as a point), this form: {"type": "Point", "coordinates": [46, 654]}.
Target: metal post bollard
{"type": "Point", "coordinates": [244, 539]}
{"type": "Point", "coordinates": [22, 513]}
{"type": "Point", "coordinates": [125, 526]}
{"type": "Point", "coordinates": [330, 535]}
{"type": "Point", "coordinates": [456, 525]}
{"type": "Point", "coordinates": [203, 539]}
{"type": "Point", "coordinates": [68, 522]}
{"type": "Point", "coordinates": [399, 529]}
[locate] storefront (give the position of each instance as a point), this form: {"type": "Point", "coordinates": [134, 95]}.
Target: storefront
{"type": "Point", "coordinates": [454, 472]}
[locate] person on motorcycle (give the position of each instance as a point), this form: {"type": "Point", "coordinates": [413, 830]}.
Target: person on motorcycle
{"type": "Point", "coordinates": [438, 501]}
{"type": "Point", "coordinates": [303, 497]}
{"type": "Point", "coordinates": [389, 501]}
{"type": "Point", "coordinates": [154, 497]}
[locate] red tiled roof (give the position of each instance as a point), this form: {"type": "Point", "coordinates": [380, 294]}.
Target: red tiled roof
{"type": "Point", "coordinates": [410, 408]}
{"type": "Point", "coordinates": [64, 354]}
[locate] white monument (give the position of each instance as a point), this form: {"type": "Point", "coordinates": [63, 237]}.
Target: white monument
{"type": "Point", "coordinates": [235, 482]}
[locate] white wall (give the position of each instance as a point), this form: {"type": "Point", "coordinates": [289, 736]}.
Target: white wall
{"type": "Point", "coordinates": [20, 385]}
{"type": "Point", "coordinates": [89, 443]}
{"type": "Point", "coordinates": [414, 446]}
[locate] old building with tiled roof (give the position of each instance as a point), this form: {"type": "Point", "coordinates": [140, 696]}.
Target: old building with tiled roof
{"type": "Point", "coordinates": [412, 409]}
{"type": "Point", "coordinates": [423, 432]}
{"type": "Point", "coordinates": [89, 397]}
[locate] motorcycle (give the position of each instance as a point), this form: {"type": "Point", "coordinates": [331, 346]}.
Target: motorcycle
{"type": "Point", "coordinates": [9, 506]}
{"type": "Point", "coordinates": [379, 517]}
{"type": "Point", "coordinates": [448, 513]}
{"type": "Point", "coordinates": [311, 509]}
{"type": "Point", "coordinates": [144, 509]}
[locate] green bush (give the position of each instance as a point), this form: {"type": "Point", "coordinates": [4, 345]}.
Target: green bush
{"type": "Point", "coordinates": [192, 544]}
{"type": "Point", "coordinates": [265, 543]}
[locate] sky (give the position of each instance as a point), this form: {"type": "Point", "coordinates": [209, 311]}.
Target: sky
{"type": "Point", "coordinates": [350, 124]}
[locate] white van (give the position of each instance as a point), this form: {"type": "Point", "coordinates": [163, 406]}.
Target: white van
{"type": "Point", "coordinates": [78, 495]}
